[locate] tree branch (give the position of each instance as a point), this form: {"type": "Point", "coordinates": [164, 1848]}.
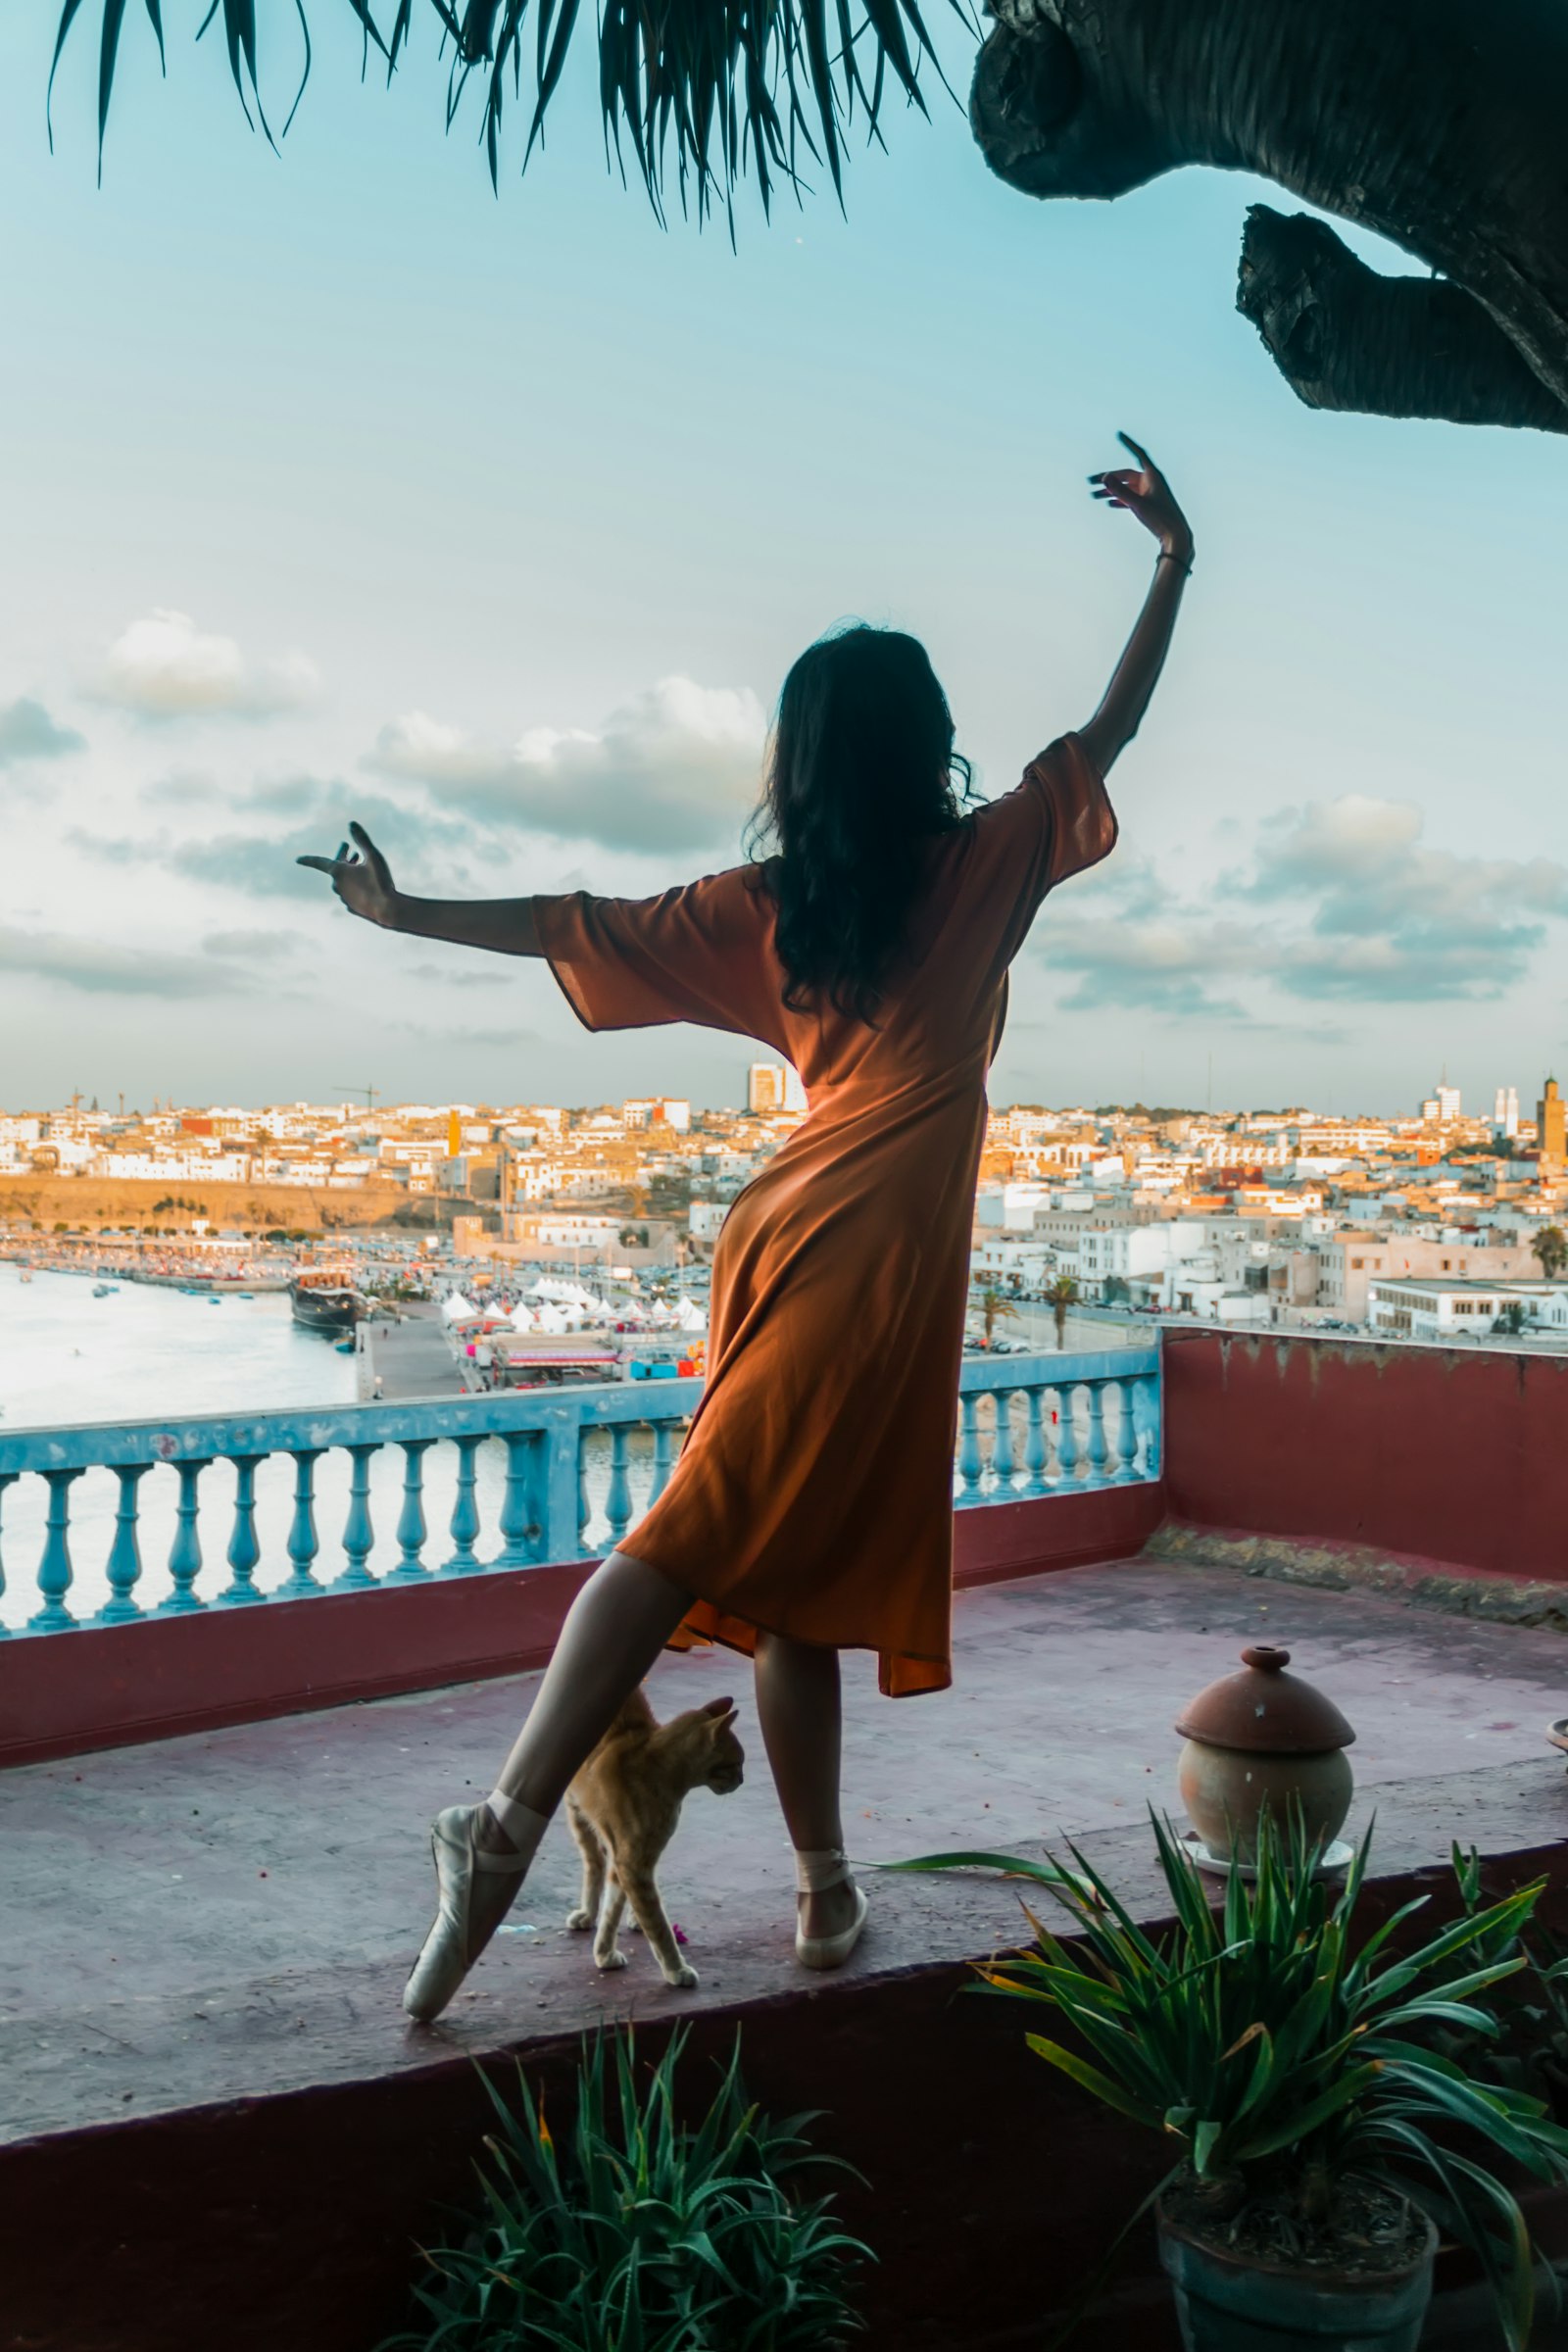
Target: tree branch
{"type": "Point", "coordinates": [1344, 337]}
{"type": "Point", "coordinates": [1436, 123]}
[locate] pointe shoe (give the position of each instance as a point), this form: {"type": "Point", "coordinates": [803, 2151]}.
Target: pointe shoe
{"type": "Point", "coordinates": [450, 1950]}
{"type": "Point", "coordinates": [814, 1871]}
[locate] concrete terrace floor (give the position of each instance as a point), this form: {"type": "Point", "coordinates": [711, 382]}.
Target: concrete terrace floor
{"type": "Point", "coordinates": [231, 1913]}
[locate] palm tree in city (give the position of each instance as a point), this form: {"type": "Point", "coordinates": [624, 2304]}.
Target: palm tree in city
{"type": "Point", "coordinates": [1550, 1246]}
{"type": "Point", "coordinates": [993, 1306]}
{"type": "Point", "coordinates": [1062, 1293]}
{"type": "Point", "coordinates": [1352, 105]}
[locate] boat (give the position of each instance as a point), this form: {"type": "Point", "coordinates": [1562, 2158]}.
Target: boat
{"type": "Point", "coordinates": [104, 1290]}
{"type": "Point", "coordinates": [325, 1297]}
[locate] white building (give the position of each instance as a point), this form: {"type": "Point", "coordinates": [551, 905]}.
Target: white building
{"type": "Point", "coordinates": [1434, 1310]}
{"type": "Point", "coordinates": [705, 1219]}
{"type": "Point", "coordinates": [1010, 1207]}
{"type": "Point", "coordinates": [657, 1110]}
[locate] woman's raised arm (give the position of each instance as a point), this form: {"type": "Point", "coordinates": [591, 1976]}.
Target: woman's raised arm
{"type": "Point", "coordinates": [364, 882]}
{"type": "Point", "coordinates": [1145, 493]}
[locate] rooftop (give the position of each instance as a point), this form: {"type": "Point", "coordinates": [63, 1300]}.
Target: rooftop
{"type": "Point", "coordinates": [215, 2103]}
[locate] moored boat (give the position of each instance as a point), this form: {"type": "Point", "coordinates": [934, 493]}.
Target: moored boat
{"type": "Point", "coordinates": [325, 1297]}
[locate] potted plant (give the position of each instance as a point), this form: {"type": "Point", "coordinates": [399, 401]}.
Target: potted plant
{"type": "Point", "coordinates": [640, 2233]}
{"type": "Point", "coordinates": [1324, 2140]}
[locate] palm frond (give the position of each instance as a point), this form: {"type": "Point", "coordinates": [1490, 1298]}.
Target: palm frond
{"type": "Point", "coordinates": [703, 92]}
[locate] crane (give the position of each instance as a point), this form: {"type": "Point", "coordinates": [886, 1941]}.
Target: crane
{"type": "Point", "coordinates": [373, 1094]}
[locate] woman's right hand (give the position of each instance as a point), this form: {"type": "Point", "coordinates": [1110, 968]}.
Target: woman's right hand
{"type": "Point", "coordinates": [1145, 492]}
{"type": "Point", "coordinates": [362, 878]}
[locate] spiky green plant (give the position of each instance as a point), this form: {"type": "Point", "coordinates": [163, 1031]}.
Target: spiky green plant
{"type": "Point", "coordinates": [636, 2232]}
{"type": "Point", "coordinates": [715, 86]}
{"type": "Point", "coordinates": [1283, 2055]}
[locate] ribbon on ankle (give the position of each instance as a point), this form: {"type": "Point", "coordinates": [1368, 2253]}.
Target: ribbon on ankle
{"type": "Point", "coordinates": [521, 1823]}
{"type": "Point", "coordinates": [819, 1867]}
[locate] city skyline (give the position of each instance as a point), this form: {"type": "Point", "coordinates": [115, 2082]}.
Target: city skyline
{"type": "Point", "coordinates": [264, 575]}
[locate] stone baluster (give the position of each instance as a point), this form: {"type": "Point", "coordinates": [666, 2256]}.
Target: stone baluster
{"type": "Point", "coordinates": [123, 1569]}
{"type": "Point", "coordinates": [585, 1508]}
{"type": "Point", "coordinates": [53, 1568]}
{"type": "Point", "coordinates": [1066, 1435]}
{"type": "Point", "coordinates": [244, 1548]}
{"type": "Point", "coordinates": [664, 1450]}
{"type": "Point", "coordinates": [1145, 1421]}
{"type": "Point", "coordinates": [1003, 1464]}
{"type": "Point", "coordinates": [617, 1503]}
{"type": "Point", "coordinates": [1036, 1444]}
{"type": "Point", "coordinates": [1098, 1449]}
{"type": "Point", "coordinates": [8, 1477]}
{"type": "Point", "coordinates": [519, 1529]}
{"type": "Point", "coordinates": [1126, 1465]}
{"type": "Point", "coordinates": [303, 1541]}
{"type": "Point", "coordinates": [971, 1465]}
{"type": "Point", "coordinates": [185, 1551]}
{"type": "Point", "coordinates": [359, 1529]}
{"type": "Point", "coordinates": [411, 1530]}
{"type": "Point", "coordinates": [465, 1529]}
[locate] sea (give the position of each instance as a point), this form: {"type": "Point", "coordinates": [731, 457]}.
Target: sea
{"type": "Point", "coordinates": [147, 1353]}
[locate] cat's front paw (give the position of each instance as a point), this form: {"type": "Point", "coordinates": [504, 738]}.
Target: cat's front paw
{"type": "Point", "coordinates": [609, 1960]}
{"type": "Point", "coordinates": [682, 1977]}
{"type": "Point", "coordinates": [580, 1918]}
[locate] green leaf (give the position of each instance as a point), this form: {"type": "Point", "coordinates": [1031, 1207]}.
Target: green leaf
{"type": "Point", "coordinates": [1090, 2079]}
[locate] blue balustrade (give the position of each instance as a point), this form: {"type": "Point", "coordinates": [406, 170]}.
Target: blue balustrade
{"type": "Point", "coordinates": [522, 1478]}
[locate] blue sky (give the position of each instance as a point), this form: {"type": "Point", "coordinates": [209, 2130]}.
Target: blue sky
{"type": "Point", "coordinates": [336, 484]}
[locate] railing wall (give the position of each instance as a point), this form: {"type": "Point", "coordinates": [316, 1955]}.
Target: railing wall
{"type": "Point", "coordinates": [114, 1523]}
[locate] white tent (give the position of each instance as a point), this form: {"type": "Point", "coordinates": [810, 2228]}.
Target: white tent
{"type": "Point", "coordinates": [690, 1316]}
{"type": "Point", "coordinates": [563, 1293]}
{"type": "Point", "coordinates": [458, 1309]}
{"type": "Point", "coordinates": [521, 1319]}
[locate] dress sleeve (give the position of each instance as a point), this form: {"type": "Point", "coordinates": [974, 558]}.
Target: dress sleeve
{"type": "Point", "coordinates": [700, 953]}
{"type": "Point", "coordinates": [1053, 825]}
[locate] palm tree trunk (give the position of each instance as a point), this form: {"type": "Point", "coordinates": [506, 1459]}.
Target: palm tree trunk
{"type": "Point", "coordinates": [1438, 124]}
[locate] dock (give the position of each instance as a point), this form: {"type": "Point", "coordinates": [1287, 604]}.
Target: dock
{"type": "Point", "coordinates": [409, 1358]}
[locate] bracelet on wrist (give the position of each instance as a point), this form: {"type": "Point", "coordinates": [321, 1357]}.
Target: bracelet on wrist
{"type": "Point", "coordinates": [1168, 555]}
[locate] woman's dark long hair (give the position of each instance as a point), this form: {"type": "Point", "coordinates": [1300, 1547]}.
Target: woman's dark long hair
{"type": "Point", "coordinates": [861, 776]}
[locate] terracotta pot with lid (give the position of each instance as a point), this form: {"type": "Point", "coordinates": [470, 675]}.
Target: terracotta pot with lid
{"type": "Point", "coordinates": [1263, 1737]}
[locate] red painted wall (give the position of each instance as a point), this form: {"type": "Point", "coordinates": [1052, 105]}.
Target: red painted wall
{"type": "Point", "coordinates": [1457, 1458]}
{"type": "Point", "coordinates": [105, 1685]}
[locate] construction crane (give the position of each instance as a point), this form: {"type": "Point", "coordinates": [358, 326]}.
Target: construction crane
{"type": "Point", "coordinates": [373, 1094]}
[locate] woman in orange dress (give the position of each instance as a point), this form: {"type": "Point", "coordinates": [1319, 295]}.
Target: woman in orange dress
{"type": "Point", "coordinates": [811, 1508]}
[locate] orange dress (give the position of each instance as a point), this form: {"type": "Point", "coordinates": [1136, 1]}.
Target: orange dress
{"type": "Point", "coordinates": [813, 1493]}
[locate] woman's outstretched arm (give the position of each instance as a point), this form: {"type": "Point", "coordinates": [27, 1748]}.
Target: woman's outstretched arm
{"type": "Point", "coordinates": [364, 882]}
{"type": "Point", "coordinates": [1145, 493]}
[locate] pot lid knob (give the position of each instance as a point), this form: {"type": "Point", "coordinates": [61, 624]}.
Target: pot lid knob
{"type": "Point", "coordinates": [1265, 1710]}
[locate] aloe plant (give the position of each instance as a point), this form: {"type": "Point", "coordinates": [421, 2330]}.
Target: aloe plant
{"type": "Point", "coordinates": [1277, 2050]}
{"type": "Point", "coordinates": [638, 2233]}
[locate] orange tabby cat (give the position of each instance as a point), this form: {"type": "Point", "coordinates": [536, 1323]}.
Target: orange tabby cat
{"type": "Point", "coordinates": [624, 1807]}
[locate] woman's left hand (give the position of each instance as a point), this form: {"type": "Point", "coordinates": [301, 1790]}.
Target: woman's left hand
{"type": "Point", "coordinates": [1145, 493]}
{"type": "Point", "coordinates": [364, 881]}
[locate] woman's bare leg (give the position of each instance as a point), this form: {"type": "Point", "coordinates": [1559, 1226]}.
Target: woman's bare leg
{"type": "Point", "coordinates": [614, 1631]}
{"type": "Point", "coordinates": [799, 1709]}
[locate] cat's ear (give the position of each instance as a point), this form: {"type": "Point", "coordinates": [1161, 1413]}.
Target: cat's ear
{"type": "Point", "coordinates": [720, 1706]}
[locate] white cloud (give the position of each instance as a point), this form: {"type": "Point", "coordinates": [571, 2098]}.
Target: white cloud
{"type": "Point", "coordinates": [676, 768]}
{"type": "Point", "coordinates": [1359, 911]}
{"type": "Point", "coordinates": [101, 967]}
{"type": "Point", "coordinates": [27, 732]}
{"type": "Point", "coordinates": [164, 667]}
